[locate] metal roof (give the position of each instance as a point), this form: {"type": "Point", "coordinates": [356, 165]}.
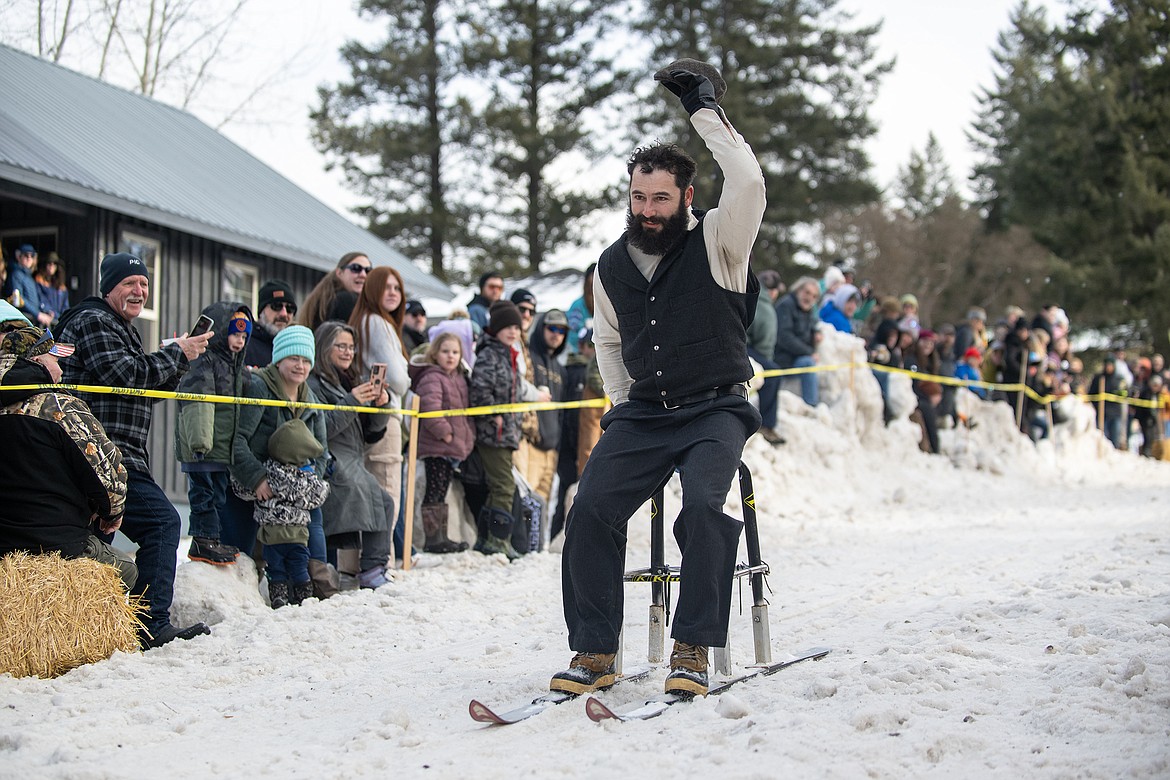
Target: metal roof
{"type": "Point", "coordinates": [83, 139]}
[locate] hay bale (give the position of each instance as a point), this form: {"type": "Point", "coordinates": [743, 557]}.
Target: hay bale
{"type": "Point", "coordinates": [57, 614]}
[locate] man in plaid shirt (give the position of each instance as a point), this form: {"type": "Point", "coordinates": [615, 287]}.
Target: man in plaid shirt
{"type": "Point", "coordinates": [109, 353]}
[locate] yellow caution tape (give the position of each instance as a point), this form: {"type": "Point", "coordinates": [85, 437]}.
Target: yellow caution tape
{"type": "Point", "coordinates": [592, 403]}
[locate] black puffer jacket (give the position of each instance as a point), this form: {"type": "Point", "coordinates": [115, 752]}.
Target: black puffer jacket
{"type": "Point", "coordinates": [495, 380]}
{"type": "Point", "coordinates": [794, 331]}
{"type": "Point", "coordinates": [205, 430]}
{"type": "Point", "coordinates": [547, 372]}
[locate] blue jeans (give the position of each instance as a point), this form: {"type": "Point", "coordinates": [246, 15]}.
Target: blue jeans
{"type": "Point", "coordinates": [769, 393]}
{"type": "Point", "coordinates": [207, 493]}
{"type": "Point", "coordinates": [808, 382]}
{"type": "Point", "coordinates": [1113, 431]}
{"type": "Point", "coordinates": [287, 562]}
{"type": "Point", "coordinates": [152, 523]}
{"type": "Point", "coordinates": [239, 528]}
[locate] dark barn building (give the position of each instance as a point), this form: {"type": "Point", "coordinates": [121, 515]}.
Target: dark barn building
{"type": "Point", "coordinates": [87, 168]}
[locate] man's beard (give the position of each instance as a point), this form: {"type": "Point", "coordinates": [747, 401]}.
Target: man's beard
{"type": "Point", "coordinates": [272, 328]}
{"type": "Point", "coordinates": [656, 242]}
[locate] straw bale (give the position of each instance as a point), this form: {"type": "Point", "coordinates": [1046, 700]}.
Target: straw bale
{"type": "Point", "coordinates": [57, 614]}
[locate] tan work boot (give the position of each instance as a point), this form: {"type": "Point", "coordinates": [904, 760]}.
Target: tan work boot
{"type": "Point", "coordinates": [688, 670]}
{"type": "Point", "coordinates": [587, 672]}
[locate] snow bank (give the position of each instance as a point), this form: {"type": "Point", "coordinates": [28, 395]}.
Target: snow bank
{"type": "Point", "coordinates": [998, 610]}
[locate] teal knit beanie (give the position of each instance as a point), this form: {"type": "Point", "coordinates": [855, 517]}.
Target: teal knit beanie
{"type": "Point", "coordinates": [294, 340]}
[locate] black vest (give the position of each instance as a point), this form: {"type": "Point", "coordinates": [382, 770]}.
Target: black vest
{"type": "Point", "coordinates": [681, 332]}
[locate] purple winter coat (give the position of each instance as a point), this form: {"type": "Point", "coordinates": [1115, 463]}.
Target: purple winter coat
{"type": "Point", "coordinates": [436, 390]}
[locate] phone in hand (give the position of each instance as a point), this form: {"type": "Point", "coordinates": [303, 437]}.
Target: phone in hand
{"type": "Point", "coordinates": [202, 325]}
{"type": "Point", "coordinates": [378, 374]}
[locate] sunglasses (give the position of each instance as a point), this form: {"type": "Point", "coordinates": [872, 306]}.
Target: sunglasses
{"type": "Point", "coordinates": [358, 268]}
{"type": "Point", "coordinates": [291, 308]}
{"type": "Point", "coordinates": [557, 329]}
{"type": "Point", "coordinates": [527, 310]}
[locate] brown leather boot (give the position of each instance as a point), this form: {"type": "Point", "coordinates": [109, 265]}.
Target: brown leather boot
{"type": "Point", "coordinates": [324, 577]}
{"type": "Point", "coordinates": [349, 564]}
{"type": "Point", "coordinates": [688, 670]}
{"type": "Point", "coordinates": [434, 517]}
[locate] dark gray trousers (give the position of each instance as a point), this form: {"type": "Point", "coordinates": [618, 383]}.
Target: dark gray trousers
{"type": "Point", "coordinates": [642, 445]}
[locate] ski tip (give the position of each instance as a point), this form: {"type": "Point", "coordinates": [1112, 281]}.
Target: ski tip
{"type": "Point", "coordinates": [597, 711]}
{"type": "Point", "coordinates": [481, 713]}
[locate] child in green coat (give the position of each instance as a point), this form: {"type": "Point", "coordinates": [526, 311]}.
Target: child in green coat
{"type": "Point", "coordinates": [204, 434]}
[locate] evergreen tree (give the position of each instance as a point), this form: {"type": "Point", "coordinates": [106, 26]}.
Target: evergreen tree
{"type": "Point", "coordinates": [925, 183]}
{"type": "Point", "coordinates": [800, 83]}
{"type": "Point", "coordinates": [543, 75]}
{"type": "Point", "coordinates": [1076, 151]}
{"type": "Point", "coordinates": [399, 130]}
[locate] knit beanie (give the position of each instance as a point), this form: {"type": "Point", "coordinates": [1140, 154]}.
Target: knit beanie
{"type": "Point", "coordinates": [293, 444]}
{"type": "Point", "coordinates": [240, 323]}
{"type": "Point", "coordinates": [117, 267]}
{"type": "Point", "coordinates": [294, 340]}
{"type": "Point", "coordinates": [501, 315]}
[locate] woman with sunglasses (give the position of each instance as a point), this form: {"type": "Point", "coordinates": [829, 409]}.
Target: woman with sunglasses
{"type": "Point", "coordinates": [377, 323]}
{"type": "Point", "coordinates": [358, 512]}
{"type": "Point", "coordinates": [50, 278]}
{"type": "Point", "coordinates": [545, 343]}
{"type": "Point", "coordinates": [336, 294]}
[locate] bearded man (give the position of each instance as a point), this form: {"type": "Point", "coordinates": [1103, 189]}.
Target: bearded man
{"type": "Point", "coordinates": [672, 300]}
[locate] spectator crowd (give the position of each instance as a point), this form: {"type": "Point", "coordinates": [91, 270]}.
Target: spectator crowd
{"type": "Point", "coordinates": [318, 496]}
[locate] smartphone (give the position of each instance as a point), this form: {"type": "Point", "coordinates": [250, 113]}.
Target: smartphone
{"type": "Point", "coordinates": [378, 374]}
{"type": "Point", "coordinates": [202, 325]}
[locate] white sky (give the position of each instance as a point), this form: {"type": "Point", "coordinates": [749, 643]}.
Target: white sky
{"type": "Point", "coordinates": [942, 49]}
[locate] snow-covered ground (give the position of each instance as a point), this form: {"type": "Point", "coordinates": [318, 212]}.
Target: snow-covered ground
{"type": "Point", "coordinates": [1000, 611]}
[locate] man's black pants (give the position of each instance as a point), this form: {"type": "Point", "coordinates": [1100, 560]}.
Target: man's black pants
{"type": "Point", "coordinates": [642, 445]}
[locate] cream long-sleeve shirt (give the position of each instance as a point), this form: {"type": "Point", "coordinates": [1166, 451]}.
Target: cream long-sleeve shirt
{"type": "Point", "coordinates": [729, 231]}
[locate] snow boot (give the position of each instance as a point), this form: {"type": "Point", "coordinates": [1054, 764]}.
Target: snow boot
{"type": "Point", "coordinates": [587, 672]}
{"type": "Point", "coordinates": [434, 517]}
{"type": "Point", "coordinates": [372, 579]}
{"type": "Point", "coordinates": [324, 578]}
{"type": "Point", "coordinates": [688, 670]}
{"type": "Point", "coordinates": [499, 536]}
{"type": "Point", "coordinates": [300, 591]}
{"type": "Point", "coordinates": [208, 550]}
{"type": "Point", "coordinates": [168, 633]}
{"type": "Point", "coordinates": [772, 437]}
{"type": "Point", "coordinates": [278, 594]}
{"type": "Point", "coordinates": [348, 566]}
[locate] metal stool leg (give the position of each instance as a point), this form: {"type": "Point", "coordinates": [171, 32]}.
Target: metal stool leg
{"type": "Point", "coordinates": [760, 631]}
{"type": "Point", "coordinates": [654, 653]}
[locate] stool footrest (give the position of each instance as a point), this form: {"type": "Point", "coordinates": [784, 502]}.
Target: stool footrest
{"type": "Point", "coordinates": [671, 573]}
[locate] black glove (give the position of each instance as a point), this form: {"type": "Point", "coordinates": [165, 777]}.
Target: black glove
{"type": "Point", "coordinates": [693, 90]}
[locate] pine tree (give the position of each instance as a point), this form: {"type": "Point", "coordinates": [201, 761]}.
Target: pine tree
{"type": "Point", "coordinates": [924, 185]}
{"type": "Point", "coordinates": [543, 76]}
{"type": "Point", "coordinates": [399, 129]}
{"type": "Point", "coordinates": [1076, 151]}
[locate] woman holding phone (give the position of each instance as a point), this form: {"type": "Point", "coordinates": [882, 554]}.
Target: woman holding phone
{"type": "Point", "coordinates": [377, 324]}
{"type": "Point", "coordinates": [358, 513]}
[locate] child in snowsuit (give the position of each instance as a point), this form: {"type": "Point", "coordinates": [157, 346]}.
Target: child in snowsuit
{"type": "Point", "coordinates": [439, 379]}
{"type": "Point", "coordinates": [496, 380]}
{"type": "Point", "coordinates": [969, 369]}
{"type": "Point", "coordinates": [204, 434]}
{"type": "Point", "coordinates": [284, 518]}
